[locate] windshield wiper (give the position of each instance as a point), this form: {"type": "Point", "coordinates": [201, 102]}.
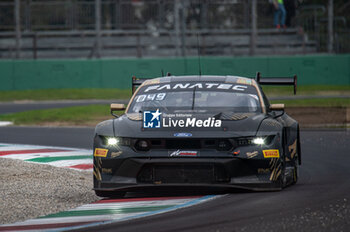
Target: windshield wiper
{"type": "Point", "coordinates": [218, 115]}
{"type": "Point", "coordinates": [193, 97]}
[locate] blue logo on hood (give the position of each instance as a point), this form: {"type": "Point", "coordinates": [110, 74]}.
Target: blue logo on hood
{"type": "Point", "coordinates": [151, 119]}
{"type": "Point", "coordinates": [182, 134]}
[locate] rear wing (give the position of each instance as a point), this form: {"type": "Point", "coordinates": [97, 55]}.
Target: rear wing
{"type": "Point", "coordinates": [277, 81]}
{"type": "Point", "coordinates": [136, 82]}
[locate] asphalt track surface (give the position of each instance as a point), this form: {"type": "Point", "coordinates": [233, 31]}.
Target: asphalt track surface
{"type": "Point", "coordinates": [318, 202]}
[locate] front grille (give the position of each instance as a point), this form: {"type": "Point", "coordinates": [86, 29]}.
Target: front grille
{"type": "Point", "coordinates": [183, 173]}
{"type": "Point", "coordinates": [183, 144]}
{"type": "Point", "coordinates": [171, 144]}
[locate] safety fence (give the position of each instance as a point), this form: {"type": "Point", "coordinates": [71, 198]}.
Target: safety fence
{"type": "Point", "coordinates": [155, 28]}
{"type": "Point", "coordinates": [132, 14]}
{"type": "Point", "coordinates": [315, 20]}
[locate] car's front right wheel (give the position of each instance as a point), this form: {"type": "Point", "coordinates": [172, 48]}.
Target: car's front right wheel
{"type": "Point", "coordinates": [295, 172]}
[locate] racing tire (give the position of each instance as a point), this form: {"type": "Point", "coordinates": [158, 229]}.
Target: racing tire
{"type": "Point", "coordinates": [109, 194]}
{"type": "Point", "coordinates": [295, 172]}
{"type": "Point", "coordinates": [282, 178]}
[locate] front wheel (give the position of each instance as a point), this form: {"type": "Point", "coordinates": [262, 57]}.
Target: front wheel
{"type": "Point", "coordinates": [295, 172]}
{"type": "Point", "coordinates": [283, 177]}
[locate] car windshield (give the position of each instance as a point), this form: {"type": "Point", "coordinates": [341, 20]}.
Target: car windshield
{"type": "Point", "coordinates": [197, 99]}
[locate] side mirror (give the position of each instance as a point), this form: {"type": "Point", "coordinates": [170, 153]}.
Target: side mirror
{"type": "Point", "coordinates": [116, 107]}
{"type": "Point", "coordinates": [277, 107]}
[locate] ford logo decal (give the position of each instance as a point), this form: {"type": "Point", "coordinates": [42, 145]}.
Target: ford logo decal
{"type": "Point", "coordinates": [182, 134]}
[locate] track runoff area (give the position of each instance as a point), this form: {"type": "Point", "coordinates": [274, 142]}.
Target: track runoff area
{"type": "Point", "coordinates": [101, 212]}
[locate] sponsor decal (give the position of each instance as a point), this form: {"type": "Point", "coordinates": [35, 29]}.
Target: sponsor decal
{"type": "Point", "coordinates": [183, 153]}
{"type": "Point", "coordinates": [179, 115]}
{"type": "Point", "coordinates": [252, 154]}
{"type": "Point", "coordinates": [263, 170]}
{"type": "Point", "coordinates": [99, 152]}
{"type": "Point", "coordinates": [106, 170]}
{"type": "Point", "coordinates": [191, 122]}
{"type": "Point", "coordinates": [116, 154]}
{"type": "Point", "coordinates": [218, 86]}
{"type": "Point", "coordinates": [182, 134]}
{"type": "Point", "coordinates": [153, 119]}
{"type": "Point", "coordinates": [271, 153]}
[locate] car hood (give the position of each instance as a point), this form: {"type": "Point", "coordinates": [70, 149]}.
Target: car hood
{"type": "Point", "coordinates": [232, 125]}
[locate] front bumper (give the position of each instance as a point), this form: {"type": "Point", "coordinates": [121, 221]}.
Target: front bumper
{"type": "Point", "coordinates": [133, 174]}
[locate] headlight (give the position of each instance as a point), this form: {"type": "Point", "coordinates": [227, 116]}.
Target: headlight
{"type": "Point", "coordinates": [112, 141]}
{"type": "Point", "coordinates": [258, 141]}
{"type": "Point", "coordinates": [264, 140]}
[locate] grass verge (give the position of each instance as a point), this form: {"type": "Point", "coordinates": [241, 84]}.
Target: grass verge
{"type": "Point", "coordinates": [64, 94]}
{"type": "Point", "coordinates": [321, 90]}
{"type": "Point", "coordinates": [71, 116]}
{"type": "Point", "coordinates": [323, 102]}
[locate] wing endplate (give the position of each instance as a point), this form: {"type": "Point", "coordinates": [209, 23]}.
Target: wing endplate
{"type": "Point", "coordinates": [277, 81]}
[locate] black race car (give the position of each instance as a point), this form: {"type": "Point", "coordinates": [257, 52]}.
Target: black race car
{"type": "Point", "coordinates": [197, 132]}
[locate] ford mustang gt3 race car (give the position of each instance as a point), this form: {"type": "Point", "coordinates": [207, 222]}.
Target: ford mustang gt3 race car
{"type": "Point", "coordinates": [197, 132]}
